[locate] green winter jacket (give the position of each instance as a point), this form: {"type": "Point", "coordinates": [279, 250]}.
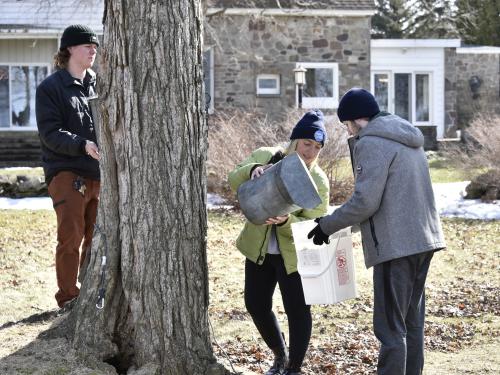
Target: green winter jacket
{"type": "Point", "coordinates": [253, 239]}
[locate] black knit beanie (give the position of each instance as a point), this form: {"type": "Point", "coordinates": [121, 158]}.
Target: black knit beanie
{"type": "Point", "coordinates": [357, 103]}
{"type": "Point", "coordinates": [78, 34]}
{"type": "Point", "coordinates": [310, 126]}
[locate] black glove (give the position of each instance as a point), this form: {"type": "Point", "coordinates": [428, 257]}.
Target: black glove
{"type": "Point", "coordinates": [276, 157]}
{"type": "Point", "coordinates": [319, 237]}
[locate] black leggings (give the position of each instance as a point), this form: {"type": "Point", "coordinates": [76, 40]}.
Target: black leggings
{"type": "Point", "coordinates": [260, 283]}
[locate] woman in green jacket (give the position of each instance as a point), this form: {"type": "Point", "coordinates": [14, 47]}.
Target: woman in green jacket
{"type": "Point", "coordinates": [270, 252]}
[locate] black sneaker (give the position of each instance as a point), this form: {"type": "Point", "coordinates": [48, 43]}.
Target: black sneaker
{"type": "Point", "coordinates": [278, 366]}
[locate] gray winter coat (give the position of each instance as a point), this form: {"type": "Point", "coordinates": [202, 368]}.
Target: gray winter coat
{"type": "Point", "coordinates": [393, 198]}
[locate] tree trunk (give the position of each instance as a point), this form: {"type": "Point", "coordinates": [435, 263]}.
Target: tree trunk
{"type": "Point", "coordinates": [152, 215]}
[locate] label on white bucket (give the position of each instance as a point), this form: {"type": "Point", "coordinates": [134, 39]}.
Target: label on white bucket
{"type": "Point", "coordinates": [342, 270]}
{"type": "Point", "coordinates": [310, 258]}
{"type": "Point", "coordinates": [326, 271]}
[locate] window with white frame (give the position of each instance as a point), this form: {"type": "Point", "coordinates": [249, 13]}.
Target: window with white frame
{"type": "Point", "coordinates": [208, 78]}
{"type": "Point", "coordinates": [268, 84]}
{"type": "Point", "coordinates": [402, 95]}
{"type": "Point", "coordinates": [18, 83]}
{"type": "Point", "coordinates": [381, 90]}
{"type": "Point", "coordinates": [422, 97]}
{"type": "Point", "coordinates": [406, 94]}
{"type": "Point", "coordinates": [321, 89]}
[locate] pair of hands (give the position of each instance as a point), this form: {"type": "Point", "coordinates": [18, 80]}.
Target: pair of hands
{"type": "Point", "coordinates": [92, 150]}
{"type": "Point", "coordinates": [256, 173]}
{"type": "Point", "coordinates": [317, 234]}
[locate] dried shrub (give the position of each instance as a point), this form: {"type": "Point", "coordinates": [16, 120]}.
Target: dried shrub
{"type": "Point", "coordinates": [482, 143]}
{"type": "Point", "coordinates": [335, 151]}
{"type": "Point", "coordinates": [482, 152]}
{"type": "Point", "coordinates": [341, 189]}
{"type": "Point", "coordinates": [233, 135]}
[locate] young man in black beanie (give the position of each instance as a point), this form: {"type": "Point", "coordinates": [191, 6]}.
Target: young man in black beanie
{"type": "Point", "coordinates": [270, 253]}
{"type": "Point", "coordinates": [394, 203]}
{"type": "Point", "coordinates": [70, 153]}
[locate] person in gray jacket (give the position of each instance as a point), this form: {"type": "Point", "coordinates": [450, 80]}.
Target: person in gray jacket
{"type": "Point", "coordinates": [394, 203]}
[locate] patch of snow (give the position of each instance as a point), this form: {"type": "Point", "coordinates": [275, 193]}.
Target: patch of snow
{"type": "Point", "coordinates": [449, 201]}
{"type": "Point", "coordinates": [215, 201]}
{"type": "Point", "coordinates": [42, 203]}
{"type": "Point", "coordinates": [17, 168]}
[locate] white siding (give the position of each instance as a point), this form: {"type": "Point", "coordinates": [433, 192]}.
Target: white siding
{"type": "Point", "coordinates": [416, 60]}
{"type": "Point", "coordinates": [34, 51]}
{"type": "Point", "coordinates": [37, 16]}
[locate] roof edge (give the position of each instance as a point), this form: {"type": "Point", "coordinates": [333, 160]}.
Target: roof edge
{"type": "Point", "coordinates": [479, 50]}
{"type": "Point", "coordinates": [412, 43]}
{"type": "Point", "coordinates": [289, 12]}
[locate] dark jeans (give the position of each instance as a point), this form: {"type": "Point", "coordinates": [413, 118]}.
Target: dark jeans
{"type": "Point", "coordinates": [260, 283]}
{"type": "Point", "coordinates": [399, 313]}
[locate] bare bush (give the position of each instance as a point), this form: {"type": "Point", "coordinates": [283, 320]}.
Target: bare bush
{"type": "Point", "coordinates": [482, 141]}
{"type": "Point", "coordinates": [482, 152]}
{"type": "Point", "coordinates": [334, 152]}
{"type": "Point", "coordinates": [233, 135]}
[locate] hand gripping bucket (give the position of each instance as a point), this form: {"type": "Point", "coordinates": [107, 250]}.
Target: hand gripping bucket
{"type": "Point", "coordinates": [326, 271]}
{"type": "Point", "coordinates": [285, 187]}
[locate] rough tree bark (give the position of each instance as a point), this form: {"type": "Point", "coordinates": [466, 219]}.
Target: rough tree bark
{"type": "Point", "coordinates": [152, 213]}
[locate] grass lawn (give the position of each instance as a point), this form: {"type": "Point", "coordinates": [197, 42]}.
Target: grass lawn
{"type": "Point", "coordinates": [442, 169]}
{"type": "Point", "coordinates": [463, 323]}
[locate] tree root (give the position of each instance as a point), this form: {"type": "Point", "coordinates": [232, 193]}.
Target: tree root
{"type": "Point", "coordinates": [33, 319]}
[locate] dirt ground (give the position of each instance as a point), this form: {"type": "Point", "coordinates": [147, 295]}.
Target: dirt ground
{"type": "Point", "coordinates": [463, 318]}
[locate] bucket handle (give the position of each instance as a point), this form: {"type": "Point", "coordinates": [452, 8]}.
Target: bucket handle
{"type": "Point", "coordinates": [313, 275]}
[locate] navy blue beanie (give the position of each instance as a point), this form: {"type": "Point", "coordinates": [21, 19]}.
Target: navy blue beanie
{"type": "Point", "coordinates": [357, 103]}
{"type": "Point", "coordinates": [310, 126]}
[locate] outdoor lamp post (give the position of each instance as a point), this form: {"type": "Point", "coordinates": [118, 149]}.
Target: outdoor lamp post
{"type": "Point", "coordinates": [300, 80]}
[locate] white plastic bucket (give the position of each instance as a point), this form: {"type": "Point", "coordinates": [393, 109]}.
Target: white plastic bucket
{"type": "Point", "coordinates": [327, 271]}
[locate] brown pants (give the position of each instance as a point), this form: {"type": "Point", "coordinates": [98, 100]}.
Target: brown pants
{"type": "Point", "coordinates": [76, 215]}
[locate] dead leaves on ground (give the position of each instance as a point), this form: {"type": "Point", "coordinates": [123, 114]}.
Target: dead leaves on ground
{"type": "Point", "coordinates": [463, 293]}
{"type": "Point", "coordinates": [448, 337]}
{"type": "Point", "coordinates": [351, 349]}
{"type": "Point", "coordinates": [458, 305]}
{"type": "Point", "coordinates": [464, 299]}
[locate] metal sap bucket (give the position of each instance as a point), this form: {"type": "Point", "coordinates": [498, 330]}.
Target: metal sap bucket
{"type": "Point", "coordinates": [285, 187]}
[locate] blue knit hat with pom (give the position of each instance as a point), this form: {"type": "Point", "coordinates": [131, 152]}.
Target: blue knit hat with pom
{"type": "Point", "coordinates": [311, 126]}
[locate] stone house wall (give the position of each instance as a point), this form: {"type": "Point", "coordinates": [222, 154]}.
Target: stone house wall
{"type": "Point", "coordinates": [245, 46]}
{"type": "Point", "coordinates": [481, 71]}
{"type": "Point", "coordinates": [450, 92]}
